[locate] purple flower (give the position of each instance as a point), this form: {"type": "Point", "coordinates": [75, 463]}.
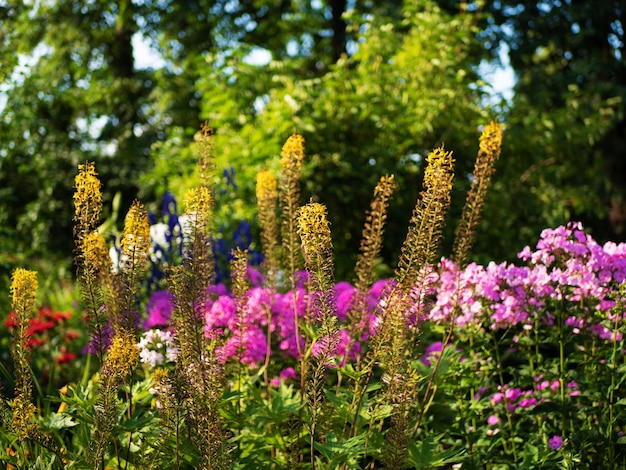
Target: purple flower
{"type": "Point", "coordinates": [100, 340]}
{"type": "Point", "coordinates": [159, 309]}
{"type": "Point", "coordinates": [431, 353]}
{"type": "Point", "coordinates": [555, 442]}
{"type": "Point", "coordinates": [288, 373]}
{"type": "Point", "coordinates": [344, 293]}
{"type": "Point", "coordinates": [493, 420]}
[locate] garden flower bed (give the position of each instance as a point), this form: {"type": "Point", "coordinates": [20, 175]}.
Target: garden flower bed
{"type": "Point", "coordinates": [277, 365]}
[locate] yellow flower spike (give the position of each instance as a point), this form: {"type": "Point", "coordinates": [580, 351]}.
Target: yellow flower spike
{"type": "Point", "coordinates": [123, 353]}
{"type": "Point", "coordinates": [440, 169]}
{"type": "Point", "coordinates": [136, 239]}
{"type": "Point", "coordinates": [293, 152]}
{"type": "Point", "coordinates": [24, 287]}
{"type": "Point", "coordinates": [372, 235]}
{"type": "Point", "coordinates": [96, 252]}
{"type": "Point", "coordinates": [267, 194]}
{"type": "Point", "coordinates": [266, 186]}
{"type": "Point", "coordinates": [87, 197]}
{"type": "Point", "coordinates": [24, 414]}
{"type": "Point", "coordinates": [491, 139]}
{"type": "Point", "coordinates": [490, 143]}
{"type": "Point", "coordinates": [198, 200]}
{"type": "Point", "coordinates": [313, 227]}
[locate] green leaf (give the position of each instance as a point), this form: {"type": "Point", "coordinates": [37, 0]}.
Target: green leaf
{"type": "Point", "coordinates": [425, 455]}
{"type": "Point", "coordinates": [58, 421]}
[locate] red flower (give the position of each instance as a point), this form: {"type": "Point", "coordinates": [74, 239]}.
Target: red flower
{"type": "Point", "coordinates": [34, 342]}
{"type": "Point", "coordinates": [45, 320]}
{"type": "Point", "coordinates": [10, 322]}
{"type": "Point", "coordinates": [70, 335]}
{"type": "Point", "coordinates": [61, 316]}
{"type": "Point", "coordinates": [37, 325]}
{"type": "Point", "coordinates": [65, 356]}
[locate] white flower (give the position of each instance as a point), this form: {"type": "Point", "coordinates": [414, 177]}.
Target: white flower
{"type": "Point", "coordinates": [157, 346]}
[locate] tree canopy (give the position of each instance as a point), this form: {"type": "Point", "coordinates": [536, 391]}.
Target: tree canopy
{"type": "Point", "coordinates": [372, 87]}
{"type": "Point", "coordinates": [563, 156]}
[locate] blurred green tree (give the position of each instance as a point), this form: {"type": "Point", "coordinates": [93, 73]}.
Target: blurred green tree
{"type": "Point", "coordinates": [563, 154]}
{"type": "Point", "coordinates": [406, 84]}
{"type": "Point", "coordinates": [73, 88]}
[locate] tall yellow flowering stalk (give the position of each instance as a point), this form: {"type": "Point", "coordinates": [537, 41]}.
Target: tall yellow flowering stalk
{"type": "Point", "coordinates": [122, 356]}
{"type": "Point", "coordinates": [120, 361]}
{"type": "Point", "coordinates": [292, 156]}
{"type": "Point", "coordinates": [490, 144]}
{"type": "Point", "coordinates": [371, 244]}
{"type": "Point", "coordinates": [314, 231]}
{"type": "Point", "coordinates": [390, 347]}
{"type": "Point", "coordinates": [266, 195]}
{"type": "Point", "coordinates": [426, 225]}
{"type": "Point", "coordinates": [23, 290]}
{"type": "Point", "coordinates": [199, 375]}
{"type": "Point", "coordinates": [419, 248]}
{"type": "Point", "coordinates": [135, 246]}
{"type": "Point", "coordinates": [90, 259]}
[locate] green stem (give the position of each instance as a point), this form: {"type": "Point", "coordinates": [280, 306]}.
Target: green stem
{"type": "Point", "coordinates": [509, 419]}
{"type": "Point", "coordinates": [562, 371]}
{"type": "Point", "coordinates": [613, 368]}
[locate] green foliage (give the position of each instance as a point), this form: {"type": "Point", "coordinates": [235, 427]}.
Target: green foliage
{"type": "Point", "coordinates": [563, 155]}
{"type": "Point", "coordinates": [407, 88]}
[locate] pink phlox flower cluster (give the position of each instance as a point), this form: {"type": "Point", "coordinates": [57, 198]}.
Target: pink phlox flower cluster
{"type": "Point", "coordinates": [517, 400]}
{"type": "Point", "coordinates": [288, 373]}
{"type": "Point", "coordinates": [567, 266]}
{"type": "Point", "coordinates": [287, 307]}
{"type": "Point", "coordinates": [514, 398]}
{"type": "Point", "coordinates": [248, 345]}
{"type": "Point", "coordinates": [246, 340]}
{"type": "Point", "coordinates": [344, 296]}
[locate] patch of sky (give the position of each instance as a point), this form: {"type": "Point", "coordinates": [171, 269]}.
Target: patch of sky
{"type": "Point", "coordinates": [144, 55]}
{"type": "Point", "coordinates": [499, 77]}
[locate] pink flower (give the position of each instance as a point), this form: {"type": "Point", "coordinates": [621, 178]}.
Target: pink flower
{"type": "Point", "coordinates": [159, 309]}
{"type": "Point", "coordinates": [288, 373]}
{"type": "Point", "coordinates": [555, 442]}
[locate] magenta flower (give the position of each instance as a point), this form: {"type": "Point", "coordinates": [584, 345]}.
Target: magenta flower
{"type": "Point", "coordinates": [159, 309]}
{"type": "Point", "coordinates": [555, 442]}
{"type": "Point", "coordinates": [493, 420]}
